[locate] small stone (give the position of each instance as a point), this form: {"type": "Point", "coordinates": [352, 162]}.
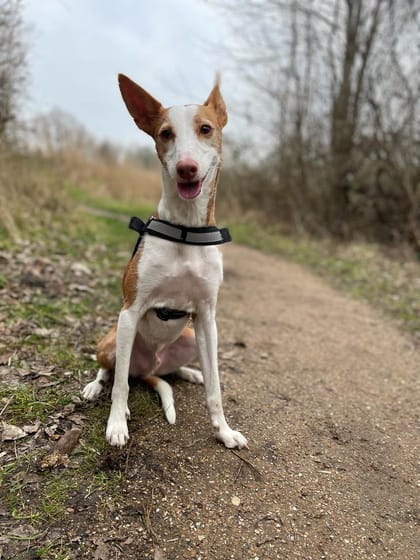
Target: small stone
{"type": "Point", "coordinates": [236, 500]}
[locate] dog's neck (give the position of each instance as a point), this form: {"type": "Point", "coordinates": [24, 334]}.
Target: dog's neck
{"type": "Point", "coordinates": [197, 212]}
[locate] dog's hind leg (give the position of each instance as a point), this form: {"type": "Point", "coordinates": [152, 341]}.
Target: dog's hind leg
{"type": "Point", "coordinates": [105, 356]}
{"type": "Point", "coordinates": [190, 374]}
{"type": "Point", "coordinates": [93, 389]}
{"type": "Point", "coordinates": [165, 393]}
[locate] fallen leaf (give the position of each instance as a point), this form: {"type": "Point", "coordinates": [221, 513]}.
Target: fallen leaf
{"type": "Point", "coordinates": [78, 419]}
{"type": "Point", "coordinates": [80, 288]}
{"type": "Point", "coordinates": [68, 441]}
{"type": "Point", "coordinates": [59, 456]}
{"type": "Point", "coordinates": [80, 268]}
{"type": "Point", "coordinates": [54, 459]}
{"type": "Point", "coordinates": [43, 382]}
{"type": "Point", "coordinates": [68, 409]}
{"type": "Point", "coordinates": [25, 478]}
{"type": "Point", "coordinates": [32, 428]}
{"type": "Point", "coordinates": [5, 359]}
{"type": "Point", "coordinates": [24, 532]}
{"type": "Point", "coordinates": [11, 433]}
{"type": "Point", "coordinates": [51, 431]}
{"type": "Point", "coordinates": [102, 552]}
{"type": "Point", "coordinates": [43, 332]}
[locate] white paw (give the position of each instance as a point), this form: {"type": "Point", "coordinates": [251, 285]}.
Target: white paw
{"type": "Point", "coordinates": [190, 374]}
{"type": "Point", "coordinates": [232, 439]}
{"type": "Point", "coordinates": [92, 391]}
{"type": "Point", "coordinates": [117, 431]}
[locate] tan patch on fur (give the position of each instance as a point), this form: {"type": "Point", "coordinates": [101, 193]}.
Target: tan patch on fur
{"type": "Point", "coordinates": [207, 115]}
{"type": "Point", "coordinates": [160, 143]}
{"type": "Point", "coordinates": [188, 332]}
{"type": "Point", "coordinates": [105, 349]}
{"type": "Point", "coordinates": [151, 381]}
{"type": "Point", "coordinates": [143, 107]}
{"type": "Point", "coordinates": [130, 280]}
{"type": "Point", "coordinates": [215, 103]}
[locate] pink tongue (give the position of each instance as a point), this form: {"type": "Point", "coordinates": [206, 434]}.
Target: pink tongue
{"type": "Point", "coordinates": [189, 190]}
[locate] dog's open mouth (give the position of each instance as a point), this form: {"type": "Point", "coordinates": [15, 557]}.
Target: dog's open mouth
{"type": "Point", "coordinates": [190, 189]}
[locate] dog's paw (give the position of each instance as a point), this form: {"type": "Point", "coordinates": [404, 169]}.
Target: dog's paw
{"type": "Point", "coordinates": [190, 374]}
{"type": "Point", "coordinates": [92, 390]}
{"type": "Point", "coordinates": [232, 439]}
{"type": "Point", "coordinates": [117, 432]}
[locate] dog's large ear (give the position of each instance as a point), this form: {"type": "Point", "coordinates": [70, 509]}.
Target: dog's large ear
{"type": "Point", "coordinates": [215, 101]}
{"type": "Point", "coordinates": [144, 108]}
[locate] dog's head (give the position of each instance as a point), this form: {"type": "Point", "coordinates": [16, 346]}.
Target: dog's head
{"type": "Point", "coordinates": [188, 138]}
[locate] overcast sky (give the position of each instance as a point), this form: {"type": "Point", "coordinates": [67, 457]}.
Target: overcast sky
{"type": "Point", "coordinates": [77, 48]}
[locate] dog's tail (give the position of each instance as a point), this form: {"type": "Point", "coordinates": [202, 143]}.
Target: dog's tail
{"type": "Point", "coordinates": [165, 393]}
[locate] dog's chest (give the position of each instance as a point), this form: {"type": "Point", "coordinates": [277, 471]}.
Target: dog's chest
{"type": "Point", "coordinates": [178, 274]}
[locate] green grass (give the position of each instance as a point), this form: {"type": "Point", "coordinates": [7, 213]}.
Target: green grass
{"type": "Point", "coordinates": [104, 244]}
{"type": "Point", "coordinates": [26, 404]}
{"type": "Point", "coordinates": [108, 205]}
{"type": "Point", "coordinates": [364, 270]}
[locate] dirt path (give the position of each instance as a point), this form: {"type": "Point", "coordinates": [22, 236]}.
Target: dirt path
{"type": "Point", "coordinates": [324, 389]}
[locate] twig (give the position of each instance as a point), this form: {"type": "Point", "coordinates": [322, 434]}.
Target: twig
{"type": "Point", "coordinates": [238, 474]}
{"type": "Point", "coordinates": [250, 465]}
{"type": "Point", "coordinates": [6, 405]}
{"type": "Point", "coordinates": [128, 456]}
{"type": "Point", "coordinates": [147, 521]}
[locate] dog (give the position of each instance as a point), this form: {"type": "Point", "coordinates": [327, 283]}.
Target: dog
{"type": "Point", "coordinates": [171, 283]}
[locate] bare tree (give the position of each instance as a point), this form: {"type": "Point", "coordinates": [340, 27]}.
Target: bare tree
{"type": "Point", "coordinates": [361, 27]}
{"type": "Point", "coordinates": [12, 61]}
{"type": "Point", "coordinates": [339, 83]}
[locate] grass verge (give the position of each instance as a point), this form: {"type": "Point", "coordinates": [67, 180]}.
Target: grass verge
{"type": "Point", "coordinates": [59, 292]}
{"type": "Point", "coordinates": [365, 270]}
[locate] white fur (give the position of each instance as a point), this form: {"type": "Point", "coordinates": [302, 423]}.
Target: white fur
{"type": "Point", "coordinates": [166, 396]}
{"type": "Point", "coordinates": [93, 389]}
{"type": "Point", "coordinates": [187, 144]}
{"type": "Point", "coordinates": [190, 374]}
{"type": "Point", "coordinates": [177, 276]}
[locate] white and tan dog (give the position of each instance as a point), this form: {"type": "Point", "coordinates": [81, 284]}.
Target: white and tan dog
{"type": "Point", "coordinates": [170, 281]}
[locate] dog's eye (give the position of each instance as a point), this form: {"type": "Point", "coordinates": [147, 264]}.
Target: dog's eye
{"type": "Point", "coordinates": [205, 129]}
{"type": "Point", "coordinates": [166, 134]}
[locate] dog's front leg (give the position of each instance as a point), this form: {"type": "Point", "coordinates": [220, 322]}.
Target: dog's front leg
{"type": "Point", "coordinates": [206, 336]}
{"type": "Point", "coordinates": [117, 429]}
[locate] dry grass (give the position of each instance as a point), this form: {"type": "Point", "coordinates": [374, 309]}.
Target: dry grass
{"type": "Point", "coordinates": [34, 188]}
{"type": "Point", "coordinates": [124, 181]}
{"type": "Point", "coordinates": [30, 192]}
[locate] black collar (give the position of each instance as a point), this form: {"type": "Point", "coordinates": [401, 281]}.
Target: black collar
{"type": "Point", "coordinates": [208, 235]}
